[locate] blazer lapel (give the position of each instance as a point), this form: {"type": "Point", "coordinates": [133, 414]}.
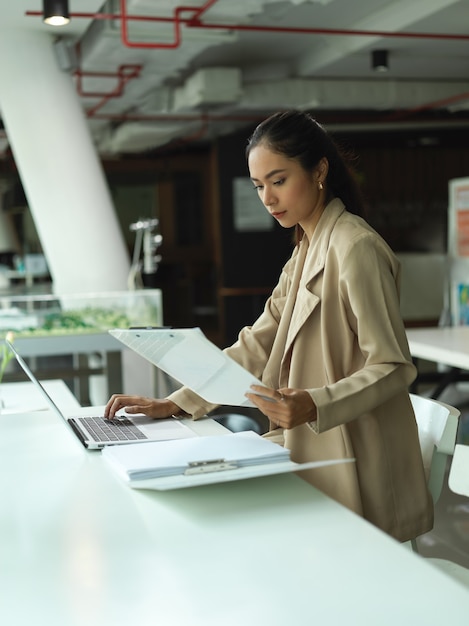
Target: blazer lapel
{"type": "Point", "coordinates": [303, 300]}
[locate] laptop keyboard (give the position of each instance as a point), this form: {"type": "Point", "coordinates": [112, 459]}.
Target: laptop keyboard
{"type": "Point", "coordinates": [102, 429]}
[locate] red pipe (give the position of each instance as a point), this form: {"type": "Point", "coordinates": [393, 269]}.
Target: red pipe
{"type": "Point", "coordinates": [124, 78]}
{"type": "Point", "coordinates": [198, 134]}
{"type": "Point", "coordinates": [426, 107]}
{"type": "Point", "coordinates": [129, 44]}
{"type": "Point", "coordinates": [123, 75]}
{"type": "Point", "coordinates": [327, 118]}
{"type": "Point", "coordinates": [196, 117]}
{"type": "Point", "coordinates": [107, 16]}
{"type": "Point", "coordinates": [178, 20]}
{"type": "Point", "coordinates": [194, 23]}
{"type": "Point", "coordinates": [326, 31]}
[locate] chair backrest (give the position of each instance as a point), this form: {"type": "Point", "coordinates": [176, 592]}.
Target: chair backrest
{"type": "Point", "coordinates": [458, 480]}
{"type": "Point", "coordinates": [437, 424]}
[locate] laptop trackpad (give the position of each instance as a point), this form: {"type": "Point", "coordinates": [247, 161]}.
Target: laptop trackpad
{"type": "Point", "coordinates": [162, 429]}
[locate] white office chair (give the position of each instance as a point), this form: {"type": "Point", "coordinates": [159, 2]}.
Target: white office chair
{"type": "Point", "coordinates": [458, 482]}
{"type": "Point", "coordinates": [437, 424]}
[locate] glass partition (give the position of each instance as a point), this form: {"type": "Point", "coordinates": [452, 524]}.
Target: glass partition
{"type": "Point", "coordinates": [37, 315]}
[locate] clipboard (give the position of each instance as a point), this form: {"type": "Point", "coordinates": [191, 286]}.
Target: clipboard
{"type": "Point", "coordinates": [203, 460]}
{"type": "Point", "coordinates": [183, 481]}
{"type": "Point", "coordinates": [190, 358]}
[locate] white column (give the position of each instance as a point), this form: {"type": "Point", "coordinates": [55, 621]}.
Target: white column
{"type": "Point", "coordinates": [60, 171]}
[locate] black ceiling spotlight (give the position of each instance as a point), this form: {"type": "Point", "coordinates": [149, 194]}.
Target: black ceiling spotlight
{"type": "Point", "coordinates": [56, 13]}
{"type": "Point", "coordinates": [379, 60]}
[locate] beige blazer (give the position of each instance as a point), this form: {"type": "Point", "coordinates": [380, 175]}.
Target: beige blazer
{"type": "Point", "coordinates": [333, 326]}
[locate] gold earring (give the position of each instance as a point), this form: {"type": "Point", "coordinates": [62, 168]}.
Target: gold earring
{"type": "Point", "coordinates": [321, 186]}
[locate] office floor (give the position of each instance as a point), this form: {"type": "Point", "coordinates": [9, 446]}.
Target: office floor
{"type": "Point", "coordinates": [449, 538]}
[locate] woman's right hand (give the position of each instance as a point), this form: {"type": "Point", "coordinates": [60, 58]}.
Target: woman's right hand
{"type": "Point", "coordinates": [151, 407]}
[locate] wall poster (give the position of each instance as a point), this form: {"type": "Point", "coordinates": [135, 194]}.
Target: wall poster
{"type": "Point", "coordinates": [458, 249]}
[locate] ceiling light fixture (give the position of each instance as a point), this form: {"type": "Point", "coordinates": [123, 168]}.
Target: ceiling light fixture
{"type": "Point", "coordinates": [56, 13]}
{"type": "Point", "coordinates": [379, 60]}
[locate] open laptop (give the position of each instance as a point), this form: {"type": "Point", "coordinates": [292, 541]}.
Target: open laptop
{"type": "Point", "coordinates": [95, 432]}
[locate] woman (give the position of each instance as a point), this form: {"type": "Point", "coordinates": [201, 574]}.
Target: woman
{"type": "Point", "coordinates": [330, 345]}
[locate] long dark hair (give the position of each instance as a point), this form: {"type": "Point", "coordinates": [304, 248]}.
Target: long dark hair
{"type": "Point", "coordinates": [297, 135]}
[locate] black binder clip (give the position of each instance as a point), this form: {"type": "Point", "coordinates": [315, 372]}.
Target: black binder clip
{"type": "Point", "coordinates": [204, 467]}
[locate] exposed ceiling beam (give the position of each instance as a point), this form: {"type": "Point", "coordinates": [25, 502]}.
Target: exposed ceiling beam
{"type": "Point", "coordinates": [395, 17]}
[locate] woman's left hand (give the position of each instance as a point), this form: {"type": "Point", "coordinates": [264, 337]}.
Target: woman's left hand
{"type": "Point", "coordinates": [286, 408]}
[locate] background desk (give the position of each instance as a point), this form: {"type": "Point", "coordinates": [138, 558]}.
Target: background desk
{"type": "Point", "coordinates": [81, 347]}
{"type": "Point", "coordinates": [448, 346]}
{"type": "Point", "coordinates": [80, 548]}
{"type": "Point", "coordinates": [24, 396]}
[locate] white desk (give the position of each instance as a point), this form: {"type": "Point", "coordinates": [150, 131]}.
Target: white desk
{"type": "Point", "coordinates": [441, 345]}
{"type": "Point", "coordinates": [80, 548]}
{"type": "Point", "coordinates": [448, 346]}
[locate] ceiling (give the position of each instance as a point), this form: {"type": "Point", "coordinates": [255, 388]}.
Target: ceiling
{"type": "Point", "coordinates": [219, 65]}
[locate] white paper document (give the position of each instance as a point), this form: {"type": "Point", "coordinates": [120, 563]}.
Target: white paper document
{"type": "Point", "coordinates": [203, 460]}
{"type": "Point", "coordinates": [137, 462]}
{"type": "Point", "coordinates": [189, 357]}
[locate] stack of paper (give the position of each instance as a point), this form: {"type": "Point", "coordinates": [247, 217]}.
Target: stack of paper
{"type": "Point", "coordinates": [192, 456]}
